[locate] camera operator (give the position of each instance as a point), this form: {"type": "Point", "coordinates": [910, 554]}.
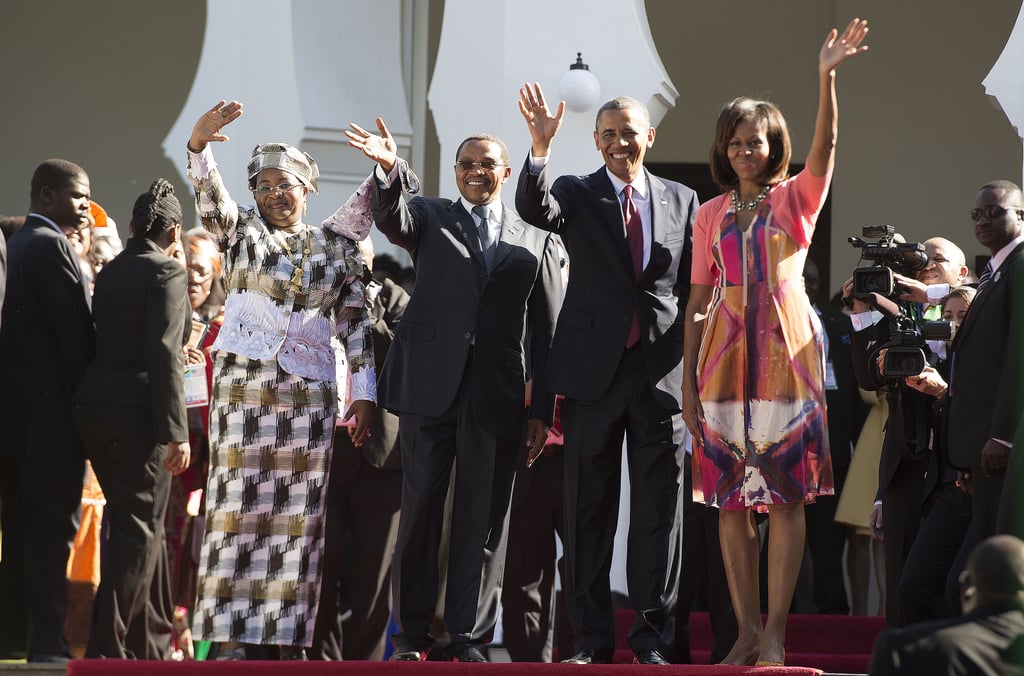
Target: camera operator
{"type": "Point", "coordinates": [907, 444]}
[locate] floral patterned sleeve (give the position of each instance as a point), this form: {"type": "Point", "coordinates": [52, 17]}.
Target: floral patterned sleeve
{"type": "Point", "coordinates": [217, 211]}
{"type": "Point", "coordinates": [353, 323]}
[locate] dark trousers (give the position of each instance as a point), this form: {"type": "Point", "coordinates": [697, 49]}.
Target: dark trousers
{"type": "Point", "coordinates": [133, 615]}
{"type": "Point", "coordinates": [826, 541]}
{"type": "Point", "coordinates": [482, 491]}
{"type": "Point", "coordinates": [361, 515]}
{"type": "Point", "coordinates": [14, 616]}
{"type": "Point", "coordinates": [702, 581]}
{"type": "Point", "coordinates": [594, 433]}
{"type": "Point", "coordinates": [901, 516]}
{"type": "Point", "coordinates": [926, 573]}
{"type": "Point", "coordinates": [49, 497]}
{"type": "Point", "coordinates": [528, 594]}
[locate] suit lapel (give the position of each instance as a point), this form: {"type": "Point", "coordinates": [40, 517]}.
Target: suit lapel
{"type": "Point", "coordinates": [466, 230]}
{"type": "Point", "coordinates": [659, 212]}
{"type": "Point", "coordinates": [512, 231]}
{"type": "Point", "coordinates": [983, 299]}
{"type": "Point", "coordinates": [611, 209]}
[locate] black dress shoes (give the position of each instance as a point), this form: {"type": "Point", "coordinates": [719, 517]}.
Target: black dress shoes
{"type": "Point", "coordinates": [409, 656]}
{"type": "Point", "coordinates": [649, 657]}
{"type": "Point", "coordinates": [465, 652]}
{"type": "Point", "coordinates": [589, 657]}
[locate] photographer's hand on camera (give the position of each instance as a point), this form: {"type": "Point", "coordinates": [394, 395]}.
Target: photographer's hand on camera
{"type": "Point", "coordinates": [911, 289]}
{"type": "Point", "coordinates": [928, 382]}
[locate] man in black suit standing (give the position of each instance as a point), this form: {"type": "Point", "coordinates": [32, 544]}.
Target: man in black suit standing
{"type": "Point", "coordinates": [364, 494]}
{"type": "Point", "coordinates": [46, 342]}
{"type": "Point", "coordinates": [987, 639]}
{"type": "Point", "coordinates": [984, 405]}
{"type": "Point", "coordinates": [456, 375]}
{"type": "Point", "coordinates": [617, 358]}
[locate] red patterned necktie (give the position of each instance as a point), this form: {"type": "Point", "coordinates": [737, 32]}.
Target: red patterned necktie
{"type": "Point", "coordinates": [635, 242]}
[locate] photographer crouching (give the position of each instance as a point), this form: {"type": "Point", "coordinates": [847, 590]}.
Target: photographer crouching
{"type": "Point", "coordinates": [896, 349]}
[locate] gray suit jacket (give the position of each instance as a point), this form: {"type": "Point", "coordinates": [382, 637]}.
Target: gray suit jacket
{"type": "Point", "coordinates": [456, 302]}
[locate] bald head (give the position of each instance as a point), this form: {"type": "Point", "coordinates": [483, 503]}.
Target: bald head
{"type": "Point", "coordinates": [947, 263]}
{"type": "Point", "coordinates": [995, 571]}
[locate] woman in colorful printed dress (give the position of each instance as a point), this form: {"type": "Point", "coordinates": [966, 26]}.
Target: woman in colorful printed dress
{"type": "Point", "coordinates": [753, 367]}
{"type": "Point", "coordinates": [290, 287]}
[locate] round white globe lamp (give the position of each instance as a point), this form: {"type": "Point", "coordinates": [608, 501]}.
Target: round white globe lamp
{"type": "Point", "coordinates": [579, 88]}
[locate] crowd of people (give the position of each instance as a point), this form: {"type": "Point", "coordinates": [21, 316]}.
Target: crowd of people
{"type": "Point", "coordinates": [297, 442]}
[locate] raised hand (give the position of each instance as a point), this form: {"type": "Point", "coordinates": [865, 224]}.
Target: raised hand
{"type": "Point", "coordinates": [839, 48]}
{"type": "Point", "coordinates": [542, 124]}
{"type": "Point", "coordinates": [209, 124]}
{"type": "Point", "coordinates": [381, 149]}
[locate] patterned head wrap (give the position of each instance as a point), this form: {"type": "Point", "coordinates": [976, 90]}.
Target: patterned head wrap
{"type": "Point", "coordinates": [286, 158]}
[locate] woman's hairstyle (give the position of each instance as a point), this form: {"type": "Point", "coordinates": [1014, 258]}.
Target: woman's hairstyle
{"type": "Point", "coordinates": [155, 211]}
{"type": "Point", "coordinates": [964, 293]}
{"type": "Point", "coordinates": [199, 241]}
{"type": "Point", "coordinates": [743, 109]}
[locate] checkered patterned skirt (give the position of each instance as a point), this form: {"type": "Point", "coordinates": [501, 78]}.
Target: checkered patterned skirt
{"type": "Point", "coordinates": [270, 444]}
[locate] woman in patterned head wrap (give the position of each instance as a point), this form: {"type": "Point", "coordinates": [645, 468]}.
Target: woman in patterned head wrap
{"type": "Point", "coordinates": [291, 286]}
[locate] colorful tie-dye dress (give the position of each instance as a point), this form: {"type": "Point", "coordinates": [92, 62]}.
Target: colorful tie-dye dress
{"type": "Point", "coordinates": [760, 371]}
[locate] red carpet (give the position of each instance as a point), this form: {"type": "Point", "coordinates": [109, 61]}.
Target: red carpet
{"type": "Point", "coordinates": [815, 644]}
{"type": "Point", "coordinates": [131, 668]}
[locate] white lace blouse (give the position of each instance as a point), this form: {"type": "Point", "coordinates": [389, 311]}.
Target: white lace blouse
{"type": "Point", "coordinates": [265, 315]}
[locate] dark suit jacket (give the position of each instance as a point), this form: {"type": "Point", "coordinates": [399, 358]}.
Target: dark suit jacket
{"type": "Point", "coordinates": [846, 408]}
{"type": "Point", "coordinates": [908, 427]}
{"type": "Point", "coordinates": [455, 299]}
{"type": "Point", "coordinates": [381, 448]}
{"type": "Point", "coordinates": [988, 640]}
{"type": "Point", "coordinates": [140, 306]}
{"type": "Point", "coordinates": [46, 342]}
{"type": "Point", "coordinates": [984, 398]}
{"type": "Point", "coordinates": [603, 290]}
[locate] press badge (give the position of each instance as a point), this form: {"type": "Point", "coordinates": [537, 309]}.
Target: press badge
{"type": "Point", "coordinates": [830, 376]}
{"type": "Point", "coordinates": [196, 392]}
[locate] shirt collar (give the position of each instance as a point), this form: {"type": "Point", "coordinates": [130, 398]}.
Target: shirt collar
{"type": "Point", "coordinates": [495, 206]}
{"type": "Point", "coordinates": [1004, 253]}
{"type": "Point", "coordinates": [639, 184]}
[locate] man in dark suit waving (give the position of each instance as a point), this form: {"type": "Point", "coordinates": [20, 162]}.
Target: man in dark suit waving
{"type": "Point", "coordinates": [984, 396]}
{"type": "Point", "coordinates": [617, 358]}
{"type": "Point", "coordinates": [46, 342]}
{"type": "Point", "coordinates": [456, 375]}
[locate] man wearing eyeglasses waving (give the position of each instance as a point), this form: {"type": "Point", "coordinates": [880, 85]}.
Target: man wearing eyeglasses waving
{"type": "Point", "coordinates": [456, 373]}
{"type": "Point", "coordinates": [984, 389]}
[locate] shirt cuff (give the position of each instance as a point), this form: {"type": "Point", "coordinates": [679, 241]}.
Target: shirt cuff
{"type": "Point", "coordinates": [385, 180]}
{"type": "Point", "coordinates": [364, 385]}
{"type": "Point", "coordinates": [537, 163]}
{"type": "Point", "coordinates": [864, 320]}
{"type": "Point", "coordinates": [201, 163]}
{"type": "Point", "coordinates": [936, 292]}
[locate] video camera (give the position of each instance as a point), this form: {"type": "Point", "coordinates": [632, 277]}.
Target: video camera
{"type": "Point", "coordinates": [876, 284]}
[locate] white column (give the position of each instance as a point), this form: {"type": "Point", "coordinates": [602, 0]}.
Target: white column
{"type": "Point", "coordinates": [489, 49]}
{"type": "Point", "coordinates": [1005, 82]}
{"type": "Point", "coordinates": [304, 70]}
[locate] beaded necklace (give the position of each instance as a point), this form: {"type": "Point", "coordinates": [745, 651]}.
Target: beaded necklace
{"type": "Point", "coordinates": [296, 279]}
{"type": "Point", "coordinates": [740, 205]}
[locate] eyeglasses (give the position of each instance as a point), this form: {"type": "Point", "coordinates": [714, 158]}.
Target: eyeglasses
{"type": "Point", "coordinates": [486, 166]}
{"type": "Point", "coordinates": [991, 211]}
{"type": "Point", "coordinates": [262, 190]}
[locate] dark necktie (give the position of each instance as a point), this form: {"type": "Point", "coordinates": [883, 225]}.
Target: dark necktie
{"type": "Point", "coordinates": [486, 237]}
{"type": "Point", "coordinates": [635, 242]}
{"type": "Point", "coordinates": [986, 276]}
